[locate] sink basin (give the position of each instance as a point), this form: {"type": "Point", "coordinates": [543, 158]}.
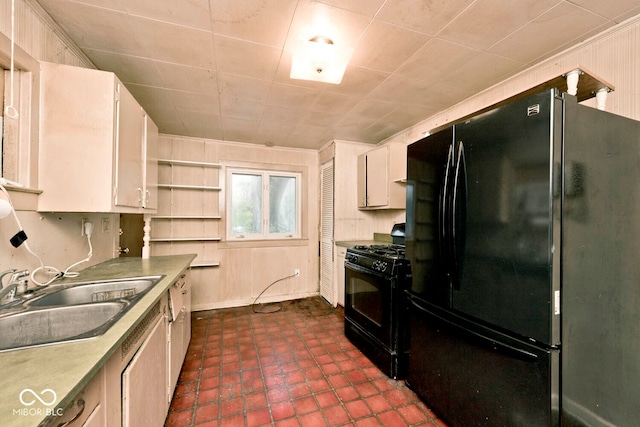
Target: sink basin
{"type": "Point", "coordinates": [93, 292]}
{"type": "Point", "coordinates": [57, 324]}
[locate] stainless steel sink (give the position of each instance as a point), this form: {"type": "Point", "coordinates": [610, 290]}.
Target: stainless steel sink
{"type": "Point", "coordinates": [92, 292]}
{"type": "Point", "coordinates": [56, 324]}
{"type": "Point", "coordinates": [70, 312]}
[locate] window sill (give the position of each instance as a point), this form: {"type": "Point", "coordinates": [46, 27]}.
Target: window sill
{"type": "Point", "coordinates": [263, 243]}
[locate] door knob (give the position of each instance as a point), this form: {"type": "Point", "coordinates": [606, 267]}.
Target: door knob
{"type": "Point", "coordinates": [123, 250]}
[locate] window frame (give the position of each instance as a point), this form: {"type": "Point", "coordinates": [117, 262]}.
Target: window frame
{"type": "Point", "coordinates": [265, 174]}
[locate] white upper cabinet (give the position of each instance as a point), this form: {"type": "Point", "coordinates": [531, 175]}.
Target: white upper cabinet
{"type": "Point", "coordinates": [381, 177]}
{"type": "Point", "coordinates": [97, 145]}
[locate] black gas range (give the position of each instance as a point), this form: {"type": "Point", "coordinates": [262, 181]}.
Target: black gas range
{"type": "Point", "coordinates": [375, 279]}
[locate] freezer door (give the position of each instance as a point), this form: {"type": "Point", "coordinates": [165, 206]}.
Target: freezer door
{"type": "Point", "coordinates": [473, 376]}
{"type": "Point", "coordinates": [503, 218]}
{"type": "Point", "coordinates": [429, 165]}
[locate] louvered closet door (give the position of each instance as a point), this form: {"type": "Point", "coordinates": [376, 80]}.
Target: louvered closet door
{"type": "Point", "coordinates": [327, 287]}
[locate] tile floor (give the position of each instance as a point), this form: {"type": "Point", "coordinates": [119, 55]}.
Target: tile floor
{"type": "Point", "coordinates": [293, 367]}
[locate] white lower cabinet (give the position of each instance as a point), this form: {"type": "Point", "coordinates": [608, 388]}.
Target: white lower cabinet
{"type": "Point", "coordinates": [87, 409]}
{"type": "Point", "coordinates": [144, 400]}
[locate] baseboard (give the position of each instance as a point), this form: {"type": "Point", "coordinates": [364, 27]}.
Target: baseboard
{"type": "Point", "coordinates": [246, 301]}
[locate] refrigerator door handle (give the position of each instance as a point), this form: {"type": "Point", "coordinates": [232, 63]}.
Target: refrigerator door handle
{"type": "Point", "coordinates": [457, 230]}
{"type": "Point", "coordinates": [443, 221]}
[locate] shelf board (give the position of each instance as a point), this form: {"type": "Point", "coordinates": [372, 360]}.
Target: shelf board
{"type": "Point", "coordinates": [189, 163]}
{"type": "Point", "coordinates": [190, 187]}
{"type": "Point", "coordinates": [205, 264]}
{"type": "Point", "coordinates": [186, 217]}
{"type": "Point", "coordinates": [185, 239]}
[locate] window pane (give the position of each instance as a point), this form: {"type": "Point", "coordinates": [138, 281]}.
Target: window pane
{"type": "Point", "coordinates": [246, 204]}
{"type": "Point", "coordinates": [282, 204]}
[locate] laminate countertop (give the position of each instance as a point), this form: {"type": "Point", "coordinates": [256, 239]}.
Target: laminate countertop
{"type": "Point", "coordinates": [378, 239]}
{"type": "Point", "coordinates": [67, 367]}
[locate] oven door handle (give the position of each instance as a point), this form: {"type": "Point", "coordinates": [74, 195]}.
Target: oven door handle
{"type": "Point", "coordinates": [363, 270]}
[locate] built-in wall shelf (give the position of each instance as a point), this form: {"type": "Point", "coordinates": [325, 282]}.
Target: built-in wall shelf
{"type": "Point", "coordinates": [188, 163]}
{"type": "Point", "coordinates": [190, 187]}
{"type": "Point", "coordinates": [185, 239]}
{"type": "Point", "coordinates": [205, 264]}
{"type": "Point", "coordinates": [196, 217]}
{"type": "Point", "coordinates": [191, 208]}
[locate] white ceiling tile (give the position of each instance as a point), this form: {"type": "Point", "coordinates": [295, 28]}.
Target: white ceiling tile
{"type": "Point", "coordinates": [425, 16]}
{"type": "Point", "coordinates": [174, 43]}
{"type": "Point", "coordinates": [235, 86]}
{"type": "Point", "coordinates": [240, 130]}
{"type": "Point", "coordinates": [358, 81]}
{"type": "Point", "coordinates": [192, 13]}
{"type": "Point", "coordinates": [202, 125]}
{"type": "Point", "coordinates": [257, 21]}
{"type": "Point", "coordinates": [481, 71]}
{"type": "Point", "coordinates": [129, 69]}
{"type": "Point", "coordinates": [385, 47]}
{"type": "Point", "coordinates": [334, 103]}
{"type": "Point", "coordinates": [363, 7]}
{"type": "Point", "coordinates": [609, 9]}
{"type": "Point", "coordinates": [240, 108]}
{"type": "Point", "coordinates": [542, 36]}
{"type": "Point", "coordinates": [289, 95]}
{"type": "Point", "coordinates": [96, 28]}
{"type": "Point", "coordinates": [435, 60]}
{"type": "Point", "coordinates": [397, 89]}
{"type": "Point", "coordinates": [244, 58]}
{"type": "Point", "coordinates": [476, 26]}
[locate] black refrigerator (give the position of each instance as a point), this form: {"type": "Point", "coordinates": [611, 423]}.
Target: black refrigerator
{"type": "Point", "coordinates": [523, 234]}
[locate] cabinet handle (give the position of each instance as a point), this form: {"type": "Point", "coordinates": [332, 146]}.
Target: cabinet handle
{"type": "Point", "coordinates": [79, 403]}
{"type": "Point", "coordinates": [141, 196]}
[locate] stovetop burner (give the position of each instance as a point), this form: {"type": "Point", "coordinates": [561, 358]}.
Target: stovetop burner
{"type": "Point", "coordinates": [381, 258]}
{"type": "Point", "coordinates": [388, 251]}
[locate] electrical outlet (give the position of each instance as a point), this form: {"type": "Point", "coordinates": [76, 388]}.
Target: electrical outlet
{"type": "Point", "coordinates": [106, 225]}
{"type": "Point", "coordinates": [84, 220]}
{"type": "Point", "coordinates": [296, 272]}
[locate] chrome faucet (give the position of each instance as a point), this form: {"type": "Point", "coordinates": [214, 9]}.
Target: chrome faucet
{"type": "Point", "coordinates": [14, 283]}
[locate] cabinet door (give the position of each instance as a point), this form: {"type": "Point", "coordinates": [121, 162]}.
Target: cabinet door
{"type": "Point", "coordinates": [130, 130]}
{"type": "Point", "coordinates": [150, 197]}
{"type": "Point", "coordinates": [144, 382]}
{"type": "Point", "coordinates": [362, 181]}
{"type": "Point", "coordinates": [377, 177]}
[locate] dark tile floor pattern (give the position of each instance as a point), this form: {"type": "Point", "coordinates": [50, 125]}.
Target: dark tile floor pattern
{"type": "Point", "coordinates": [293, 367]}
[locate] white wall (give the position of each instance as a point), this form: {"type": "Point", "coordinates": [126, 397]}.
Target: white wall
{"type": "Point", "coordinates": [245, 268]}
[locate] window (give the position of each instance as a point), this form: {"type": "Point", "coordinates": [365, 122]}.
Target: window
{"type": "Point", "coordinates": [262, 204]}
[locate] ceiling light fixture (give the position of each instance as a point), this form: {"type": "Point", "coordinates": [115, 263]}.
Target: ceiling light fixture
{"type": "Point", "coordinates": [319, 59]}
